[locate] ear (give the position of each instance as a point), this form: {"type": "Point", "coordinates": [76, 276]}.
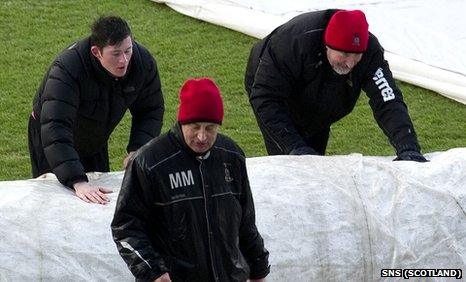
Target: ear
{"type": "Point", "coordinates": [96, 52]}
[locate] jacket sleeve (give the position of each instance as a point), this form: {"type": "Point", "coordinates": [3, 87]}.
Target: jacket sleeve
{"type": "Point", "coordinates": [147, 111]}
{"type": "Point", "coordinates": [129, 226]}
{"type": "Point", "coordinates": [389, 109]}
{"type": "Point", "coordinates": [279, 68]}
{"type": "Point", "coordinates": [251, 242]}
{"type": "Point", "coordinates": [60, 101]}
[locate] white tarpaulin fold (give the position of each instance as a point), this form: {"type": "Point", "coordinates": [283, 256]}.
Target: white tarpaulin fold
{"type": "Point", "coordinates": [337, 218]}
{"type": "Point", "coordinates": [425, 40]}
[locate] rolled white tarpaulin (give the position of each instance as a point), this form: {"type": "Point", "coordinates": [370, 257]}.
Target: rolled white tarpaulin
{"type": "Point", "coordinates": [337, 218]}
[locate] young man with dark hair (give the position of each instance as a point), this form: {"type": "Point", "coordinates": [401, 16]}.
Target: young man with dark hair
{"type": "Point", "coordinates": [309, 72]}
{"type": "Point", "coordinates": [83, 96]}
{"type": "Point", "coordinates": [185, 210]}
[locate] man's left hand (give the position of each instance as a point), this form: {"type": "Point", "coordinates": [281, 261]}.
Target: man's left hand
{"type": "Point", "coordinates": [411, 156]}
{"type": "Point", "coordinates": [128, 157]}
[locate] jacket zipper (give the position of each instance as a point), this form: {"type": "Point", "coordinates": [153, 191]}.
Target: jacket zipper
{"type": "Point", "coordinates": [208, 223]}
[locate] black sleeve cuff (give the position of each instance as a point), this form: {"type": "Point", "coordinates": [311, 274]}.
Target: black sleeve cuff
{"type": "Point", "coordinates": [259, 274]}
{"type": "Point", "coordinates": [76, 179]}
{"type": "Point", "coordinates": [407, 147]}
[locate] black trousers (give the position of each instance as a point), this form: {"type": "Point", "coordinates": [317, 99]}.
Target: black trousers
{"type": "Point", "coordinates": [39, 165]}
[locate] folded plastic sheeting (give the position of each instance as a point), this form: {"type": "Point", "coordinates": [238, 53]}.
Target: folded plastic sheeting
{"type": "Point", "coordinates": [347, 217]}
{"type": "Point", "coordinates": [48, 234]}
{"type": "Point", "coordinates": [339, 218]}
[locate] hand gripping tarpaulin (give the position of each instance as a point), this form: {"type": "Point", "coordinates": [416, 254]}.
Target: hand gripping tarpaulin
{"type": "Point", "coordinates": [424, 40]}
{"type": "Point", "coordinates": [337, 218]}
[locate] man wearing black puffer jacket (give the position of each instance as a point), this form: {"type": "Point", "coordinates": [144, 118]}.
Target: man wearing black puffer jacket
{"type": "Point", "coordinates": [308, 74]}
{"type": "Point", "coordinates": [83, 97]}
{"type": "Point", "coordinates": [185, 210]}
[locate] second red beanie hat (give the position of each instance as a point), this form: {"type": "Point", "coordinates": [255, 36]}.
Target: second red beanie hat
{"type": "Point", "coordinates": [347, 31]}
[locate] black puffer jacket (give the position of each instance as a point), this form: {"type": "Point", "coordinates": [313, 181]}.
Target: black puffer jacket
{"type": "Point", "coordinates": [79, 104]}
{"type": "Point", "coordinates": [188, 215]}
{"type": "Point", "coordinates": [295, 92]}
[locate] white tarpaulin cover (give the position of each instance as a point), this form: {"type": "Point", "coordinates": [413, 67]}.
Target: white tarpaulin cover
{"type": "Point", "coordinates": [425, 40]}
{"type": "Point", "coordinates": [338, 218]}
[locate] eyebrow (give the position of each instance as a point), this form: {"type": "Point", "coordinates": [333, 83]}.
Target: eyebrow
{"type": "Point", "coordinates": [118, 51]}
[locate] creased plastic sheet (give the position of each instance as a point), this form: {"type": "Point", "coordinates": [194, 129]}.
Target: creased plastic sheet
{"type": "Point", "coordinates": [48, 234]}
{"type": "Point", "coordinates": [333, 218]}
{"type": "Point", "coordinates": [425, 40]}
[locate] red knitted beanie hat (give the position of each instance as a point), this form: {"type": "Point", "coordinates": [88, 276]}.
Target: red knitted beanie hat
{"type": "Point", "coordinates": [200, 101]}
{"type": "Point", "coordinates": [347, 31]}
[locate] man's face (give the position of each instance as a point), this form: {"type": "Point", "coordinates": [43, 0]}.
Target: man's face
{"type": "Point", "coordinates": [115, 58]}
{"type": "Point", "coordinates": [200, 136]}
{"type": "Point", "coordinates": [342, 62]}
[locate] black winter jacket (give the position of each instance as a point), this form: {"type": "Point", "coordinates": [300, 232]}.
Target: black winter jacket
{"type": "Point", "coordinates": [295, 92]}
{"type": "Point", "coordinates": [188, 215]}
{"type": "Point", "coordinates": [79, 104]}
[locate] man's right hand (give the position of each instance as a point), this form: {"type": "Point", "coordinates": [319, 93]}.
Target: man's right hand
{"type": "Point", "coordinates": [303, 151]}
{"type": "Point", "coordinates": [163, 278]}
{"type": "Point", "coordinates": [91, 194]}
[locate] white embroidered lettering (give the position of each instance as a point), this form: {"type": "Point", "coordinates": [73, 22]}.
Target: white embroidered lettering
{"type": "Point", "coordinates": [187, 178]}
{"type": "Point", "coordinates": [180, 179]}
{"type": "Point", "coordinates": [385, 90]}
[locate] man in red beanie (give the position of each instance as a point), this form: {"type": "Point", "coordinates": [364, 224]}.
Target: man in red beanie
{"type": "Point", "coordinates": [185, 210]}
{"type": "Point", "coordinates": [308, 74]}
